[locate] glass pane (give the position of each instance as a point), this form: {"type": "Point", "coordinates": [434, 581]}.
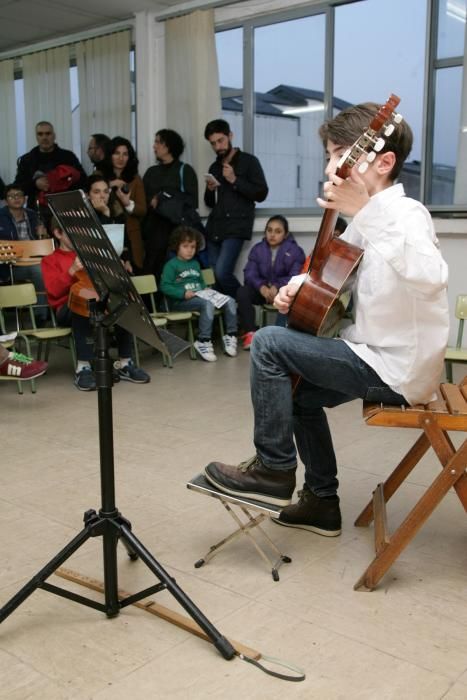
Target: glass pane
{"type": "Point", "coordinates": [451, 28]}
{"type": "Point", "coordinates": [229, 46]}
{"type": "Point", "coordinates": [289, 85]}
{"type": "Point", "coordinates": [369, 69]}
{"type": "Point", "coordinates": [445, 138]}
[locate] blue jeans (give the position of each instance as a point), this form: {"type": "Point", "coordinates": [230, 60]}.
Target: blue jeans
{"type": "Point", "coordinates": [331, 373]}
{"type": "Point", "coordinates": [206, 314]}
{"type": "Point", "coordinates": [223, 256]}
{"type": "Point", "coordinates": [83, 334]}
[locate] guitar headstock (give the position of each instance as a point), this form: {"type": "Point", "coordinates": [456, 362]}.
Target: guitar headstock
{"type": "Point", "coordinates": [372, 141]}
{"type": "Point", "coordinates": [8, 253]}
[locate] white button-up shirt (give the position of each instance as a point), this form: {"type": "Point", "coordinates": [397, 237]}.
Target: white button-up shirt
{"type": "Point", "coordinates": [400, 300]}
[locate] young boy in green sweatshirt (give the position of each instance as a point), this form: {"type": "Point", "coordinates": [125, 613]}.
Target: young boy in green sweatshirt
{"type": "Point", "coordinates": [180, 282]}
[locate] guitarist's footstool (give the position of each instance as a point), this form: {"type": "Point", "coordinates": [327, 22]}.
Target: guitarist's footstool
{"type": "Point", "coordinates": [263, 511]}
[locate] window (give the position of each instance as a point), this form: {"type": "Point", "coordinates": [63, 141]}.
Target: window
{"type": "Point", "coordinates": [288, 108]}
{"type": "Point", "coordinates": [278, 91]}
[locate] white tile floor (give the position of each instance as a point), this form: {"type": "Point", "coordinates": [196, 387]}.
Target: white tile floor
{"type": "Point", "coordinates": [407, 639]}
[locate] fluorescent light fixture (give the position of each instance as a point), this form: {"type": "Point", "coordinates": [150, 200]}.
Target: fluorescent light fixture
{"type": "Point", "coordinates": [302, 110]}
{"type": "Point", "coordinates": [456, 10]}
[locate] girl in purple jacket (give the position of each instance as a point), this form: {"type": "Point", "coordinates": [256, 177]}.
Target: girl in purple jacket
{"type": "Point", "coordinates": [271, 263]}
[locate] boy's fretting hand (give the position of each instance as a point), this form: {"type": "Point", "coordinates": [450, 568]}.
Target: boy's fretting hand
{"type": "Point", "coordinates": [347, 196]}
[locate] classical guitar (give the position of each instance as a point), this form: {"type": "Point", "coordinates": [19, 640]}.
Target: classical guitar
{"type": "Point", "coordinates": [321, 299]}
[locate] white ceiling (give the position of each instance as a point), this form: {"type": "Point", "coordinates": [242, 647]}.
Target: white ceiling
{"type": "Point", "coordinates": [24, 22]}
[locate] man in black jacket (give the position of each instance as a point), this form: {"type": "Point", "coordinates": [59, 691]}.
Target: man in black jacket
{"type": "Point", "coordinates": [33, 169]}
{"type": "Point", "coordinates": [235, 183]}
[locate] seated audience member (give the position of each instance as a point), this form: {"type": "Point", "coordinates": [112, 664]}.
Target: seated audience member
{"type": "Point", "coordinates": [68, 289]}
{"type": "Point", "coordinates": [98, 189]}
{"type": "Point", "coordinates": [175, 178]}
{"type": "Point", "coordinates": [98, 143]}
{"type": "Point", "coordinates": [20, 367]}
{"type": "Point", "coordinates": [271, 263]}
{"type": "Point", "coordinates": [182, 279]}
{"type": "Point", "coordinates": [18, 223]}
{"type": "Point", "coordinates": [127, 200]}
{"type": "Point", "coordinates": [47, 168]}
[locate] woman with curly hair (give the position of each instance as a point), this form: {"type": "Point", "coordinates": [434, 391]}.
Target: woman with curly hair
{"type": "Point", "coordinates": [127, 201]}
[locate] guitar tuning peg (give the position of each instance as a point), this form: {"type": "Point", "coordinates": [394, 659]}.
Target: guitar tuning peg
{"type": "Point", "coordinates": [379, 144]}
{"type": "Point", "coordinates": [397, 118]}
{"type": "Point", "coordinates": [362, 168]}
{"type": "Point", "coordinates": [371, 156]}
{"type": "Point", "coordinates": [389, 129]}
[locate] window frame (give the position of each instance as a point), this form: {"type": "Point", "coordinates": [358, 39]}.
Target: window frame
{"type": "Point", "coordinates": [327, 8]}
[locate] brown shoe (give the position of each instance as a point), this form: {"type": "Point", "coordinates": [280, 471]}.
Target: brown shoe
{"type": "Point", "coordinates": [319, 515]}
{"type": "Point", "coordinates": [252, 479]}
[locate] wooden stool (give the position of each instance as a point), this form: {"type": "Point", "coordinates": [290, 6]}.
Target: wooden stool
{"type": "Point", "coordinates": [437, 419]}
{"type": "Point", "coordinates": [264, 510]}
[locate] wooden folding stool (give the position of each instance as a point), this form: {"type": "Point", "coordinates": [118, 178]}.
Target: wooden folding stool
{"type": "Point", "coordinates": [264, 510]}
{"type": "Point", "coordinates": [448, 413]}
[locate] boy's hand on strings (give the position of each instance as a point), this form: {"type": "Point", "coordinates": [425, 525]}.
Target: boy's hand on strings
{"type": "Point", "coordinates": [285, 296]}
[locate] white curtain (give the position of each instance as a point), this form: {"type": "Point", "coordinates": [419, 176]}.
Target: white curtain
{"type": "Point", "coordinates": [104, 86]}
{"type": "Point", "coordinates": [47, 95]}
{"type": "Point", "coordinates": [8, 122]}
{"type": "Point", "coordinates": [192, 84]}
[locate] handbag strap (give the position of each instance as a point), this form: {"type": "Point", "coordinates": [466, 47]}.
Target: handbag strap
{"type": "Point", "coordinates": [180, 173]}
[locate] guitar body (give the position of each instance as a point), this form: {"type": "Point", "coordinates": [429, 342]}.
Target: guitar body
{"type": "Point", "coordinates": [321, 300]}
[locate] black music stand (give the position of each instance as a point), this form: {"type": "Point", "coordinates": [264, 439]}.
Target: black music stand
{"type": "Point", "coordinates": [119, 303]}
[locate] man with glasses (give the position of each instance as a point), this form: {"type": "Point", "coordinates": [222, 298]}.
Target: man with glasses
{"type": "Point", "coordinates": [38, 169]}
{"type": "Point", "coordinates": [17, 223]}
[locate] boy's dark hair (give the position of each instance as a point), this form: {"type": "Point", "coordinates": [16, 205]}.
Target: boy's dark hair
{"type": "Point", "coordinates": [173, 141]}
{"type": "Point", "coordinates": [216, 126]}
{"type": "Point", "coordinates": [12, 186]}
{"type": "Point", "coordinates": [283, 221]}
{"type": "Point", "coordinates": [185, 233]}
{"type": "Point", "coordinates": [95, 177]}
{"type": "Point", "coordinates": [349, 125]}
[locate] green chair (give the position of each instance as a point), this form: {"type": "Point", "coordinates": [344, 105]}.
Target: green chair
{"type": "Point", "coordinates": [23, 297]}
{"type": "Point", "coordinates": [457, 353]}
{"type": "Point", "coordinates": [210, 280]}
{"type": "Point", "coordinates": [147, 285]}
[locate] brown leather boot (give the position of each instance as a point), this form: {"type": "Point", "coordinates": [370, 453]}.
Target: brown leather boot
{"type": "Point", "coordinates": [252, 479]}
{"type": "Point", "coordinates": [319, 515]}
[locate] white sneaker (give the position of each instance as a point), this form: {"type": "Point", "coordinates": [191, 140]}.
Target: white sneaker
{"type": "Point", "coordinates": [205, 349]}
{"type": "Point", "coordinates": [230, 345]}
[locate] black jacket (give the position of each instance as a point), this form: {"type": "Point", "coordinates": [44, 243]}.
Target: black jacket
{"type": "Point", "coordinates": [37, 161]}
{"type": "Point", "coordinates": [233, 206]}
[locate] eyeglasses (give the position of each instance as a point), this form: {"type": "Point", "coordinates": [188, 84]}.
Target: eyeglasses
{"type": "Point", "coordinates": [15, 195]}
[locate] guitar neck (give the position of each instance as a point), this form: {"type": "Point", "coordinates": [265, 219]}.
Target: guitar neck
{"type": "Point", "coordinates": [325, 234]}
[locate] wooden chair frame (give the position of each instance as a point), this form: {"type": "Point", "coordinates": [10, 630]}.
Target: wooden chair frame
{"type": "Point", "coordinates": [436, 420]}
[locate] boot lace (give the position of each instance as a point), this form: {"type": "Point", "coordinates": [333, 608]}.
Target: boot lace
{"type": "Point", "coordinates": [249, 464]}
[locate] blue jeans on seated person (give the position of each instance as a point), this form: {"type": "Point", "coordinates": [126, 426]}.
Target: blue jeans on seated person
{"type": "Point", "coordinates": [83, 334]}
{"type": "Point", "coordinates": [206, 314]}
{"type": "Point", "coordinates": [223, 256]}
{"type": "Point", "coordinates": [332, 374]}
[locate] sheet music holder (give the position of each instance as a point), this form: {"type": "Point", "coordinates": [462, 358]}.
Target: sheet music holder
{"type": "Point", "coordinates": [118, 303]}
{"type": "Point", "coordinates": [104, 267]}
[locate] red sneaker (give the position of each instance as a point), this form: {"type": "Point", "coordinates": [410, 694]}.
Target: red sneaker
{"type": "Point", "coordinates": [248, 339]}
{"type": "Point", "coordinates": [21, 367]}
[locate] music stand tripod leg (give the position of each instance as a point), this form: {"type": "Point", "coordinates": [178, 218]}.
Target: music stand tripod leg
{"type": "Point", "coordinates": [111, 525]}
